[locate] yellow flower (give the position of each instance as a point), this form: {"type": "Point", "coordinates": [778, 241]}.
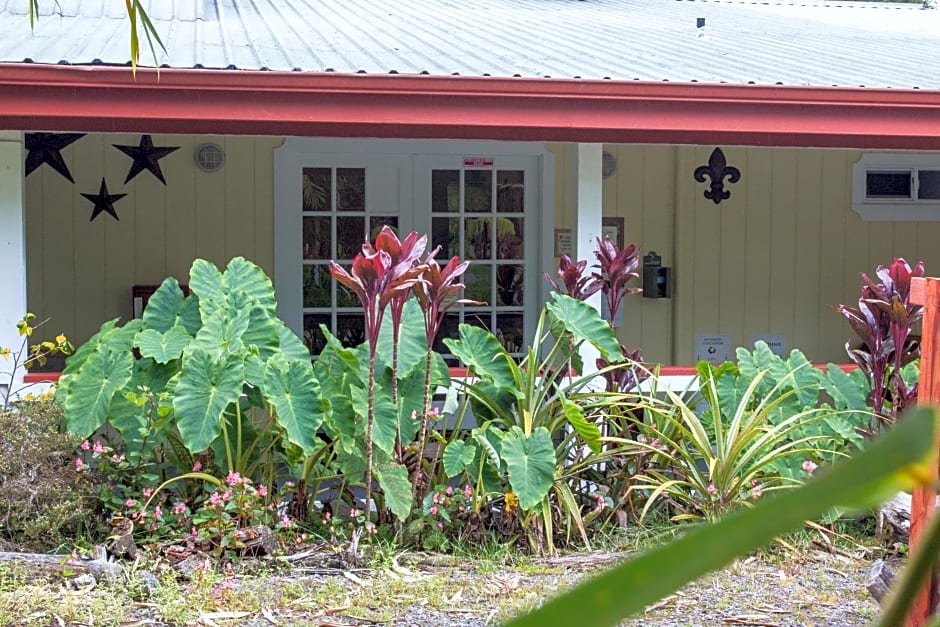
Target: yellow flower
{"type": "Point", "coordinates": [5, 353]}
{"type": "Point", "coordinates": [61, 339]}
{"type": "Point", "coordinates": [512, 502]}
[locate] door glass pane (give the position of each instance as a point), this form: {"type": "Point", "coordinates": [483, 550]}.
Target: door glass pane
{"type": "Point", "coordinates": [510, 191]}
{"type": "Point", "coordinates": [888, 184]}
{"type": "Point", "coordinates": [478, 238]}
{"type": "Point", "coordinates": [350, 189]}
{"type": "Point", "coordinates": [509, 242]}
{"type": "Point", "coordinates": [317, 189]}
{"type": "Point", "coordinates": [317, 285]}
{"type": "Point", "coordinates": [350, 329]}
{"type": "Point", "coordinates": [478, 279]}
{"type": "Point", "coordinates": [316, 237]}
{"type": "Point", "coordinates": [346, 297]}
{"type": "Point", "coordinates": [377, 222]}
{"type": "Point", "coordinates": [509, 287]}
{"type": "Point", "coordinates": [928, 184]}
{"type": "Point", "coordinates": [313, 337]}
{"type": "Point", "coordinates": [478, 191]}
{"type": "Point", "coordinates": [449, 328]}
{"type": "Point", "coordinates": [445, 191]}
{"type": "Point", "coordinates": [350, 231]}
{"type": "Point", "coordinates": [509, 332]}
{"type": "Point", "coordinates": [444, 233]}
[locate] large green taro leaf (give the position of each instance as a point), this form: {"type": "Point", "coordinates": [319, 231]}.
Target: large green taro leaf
{"type": "Point", "coordinates": [109, 335]}
{"type": "Point", "coordinates": [585, 322]}
{"type": "Point", "coordinates": [481, 352]}
{"type": "Point", "coordinates": [458, 456]}
{"type": "Point", "coordinates": [393, 479]}
{"type": "Point", "coordinates": [262, 331]}
{"type": "Point", "coordinates": [222, 331]}
{"type": "Point", "coordinates": [164, 306]}
{"type": "Point", "coordinates": [337, 369]}
{"type": "Point", "coordinates": [385, 424]}
{"type": "Point", "coordinates": [244, 275]}
{"type": "Point", "coordinates": [412, 340]}
{"type": "Point", "coordinates": [531, 464]}
{"type": "Point", "coordinates": [292, 347]}
{"type": "Point", "coordinates": [847, 391]}
{"type": "Point", "coordinates": [206, 387]}
{"type": "Point", "coordinates": [205, 281]}
{"type": "Point", "coordinates": [293, 390]}
{"type": "Point", "coordinates": [89, 394]}
{"type": "Point", "coordinates": [163, 347]}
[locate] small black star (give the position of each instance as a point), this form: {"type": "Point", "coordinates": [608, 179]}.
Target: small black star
{"type": "Point", "coordinates": [145, 156]}
{"type": "Point", "coordinates": [103, 201]}
{"type": "Point", "coordinates": [45, 147]}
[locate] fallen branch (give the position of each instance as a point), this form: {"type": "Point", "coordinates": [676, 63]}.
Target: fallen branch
{"type": "Point", "coordinates": [43, 565]}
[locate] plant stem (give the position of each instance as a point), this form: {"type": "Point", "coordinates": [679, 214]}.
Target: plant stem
{"type": "Point", "coordinates": [422, 440]}
{"type": "Point", "coordinates": [370, 420]}
{"type": "Point", "coordinates": [228, 445]}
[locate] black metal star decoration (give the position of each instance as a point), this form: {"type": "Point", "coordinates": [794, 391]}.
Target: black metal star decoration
{"type": "Point", "coordinates": [104, 202]}
{"type": "Point", "coordinates": [146, 157]}
{"type": "Point", "coordinates": [45, 147]}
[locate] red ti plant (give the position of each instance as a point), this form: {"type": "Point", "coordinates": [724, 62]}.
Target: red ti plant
{"type": "Point", "coordinates": [573, 281]}
{"type": "Point", "coordinates": [437, 293]}
{"type": "Point", "coordinates": [617, 266]}
{"type": "Point", "coordinates": [883, 322]}
{"type": "Point", "coordinates": [379, 275]}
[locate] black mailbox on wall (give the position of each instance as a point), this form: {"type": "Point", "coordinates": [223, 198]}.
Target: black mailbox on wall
{"type": "Point", "coordinates": [657, 280]}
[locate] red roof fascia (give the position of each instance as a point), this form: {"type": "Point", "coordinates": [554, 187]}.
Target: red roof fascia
{"type": "Point", "coordinates": [110, 99]}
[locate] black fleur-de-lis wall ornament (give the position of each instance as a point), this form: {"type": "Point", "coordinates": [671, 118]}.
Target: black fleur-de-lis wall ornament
{"type": "Point", "coordinates": [717, 169]}
{"type": "Point", "coordinates": [45, 148]}
{"type": "Point", "coordinates": [104, 202]}
{"type": "Point", "coordinates": [146, 157]}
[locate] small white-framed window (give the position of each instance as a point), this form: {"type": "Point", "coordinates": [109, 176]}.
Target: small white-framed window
{"type": "Point", "coordinates": [897, 187]}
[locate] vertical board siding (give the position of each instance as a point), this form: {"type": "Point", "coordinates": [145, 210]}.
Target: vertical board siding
{"type": "Point", "coordinates": [80, 273]}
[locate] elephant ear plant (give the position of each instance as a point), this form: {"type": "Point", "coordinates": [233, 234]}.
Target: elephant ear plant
{"type": "Point", "coordinates": [187, 376]}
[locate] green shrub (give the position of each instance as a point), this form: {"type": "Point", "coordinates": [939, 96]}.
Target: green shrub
{"type": "Point", "coordinates": [43, 504]}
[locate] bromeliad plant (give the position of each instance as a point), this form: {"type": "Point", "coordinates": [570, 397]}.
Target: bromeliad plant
{"type": "Point", "coordinates": [215, 373]}
{"type": "Point", "coordinates": [883, 322]}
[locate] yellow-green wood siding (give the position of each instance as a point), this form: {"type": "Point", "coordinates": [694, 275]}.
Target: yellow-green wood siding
{"type": "Point", "coordinates": [80, 273]}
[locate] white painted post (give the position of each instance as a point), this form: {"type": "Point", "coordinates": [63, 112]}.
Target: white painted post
{"type": "Point", "coordinates": [588, 223]}
{"type": "Point", "coordinates": [12, 244]}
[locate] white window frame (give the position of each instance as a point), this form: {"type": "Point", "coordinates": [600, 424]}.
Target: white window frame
{"type": "Point", "coordinates": [299, 152]}
{"type": "Point", "coordinates": [894, 209]}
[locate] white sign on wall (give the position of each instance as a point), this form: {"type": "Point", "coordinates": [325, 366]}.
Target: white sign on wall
{"type": "Point", "coordinates": [713, 348]}
{"type": "Point", "coordinates": [777, 342]}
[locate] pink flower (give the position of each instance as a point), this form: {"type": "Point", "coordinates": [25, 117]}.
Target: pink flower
{"type": "Point", "coordinates": [193, 532]}
{"type": "Point", "coordinates": [262, 490]}
{"type": "Point", "coordinates": [435, 412]}
{"type": "Point", "coordinates": [285, 521]}
{"type": "Point", "coordinates": [354, 513]}
{"type": "Point", "coordinates": [440, 526]}
{"type": "Point", "coordinates": [289, 484]}
{"type": "Point", "coordinates": [433, 510]}
{"type": "Point", "coordinates": [370, 528]}
{"type": "Point", "coordinates": [233, 478]}
{"type": "Point", "coordinates": [641, 439]}
{"type": "Point", "coordinates": [467, 491]}
{"type": "Point", "coordinates": [809, 466]}
{"type": "Point", "coordinates": [129, 503]}
{"type": "Point", "coordinates": [227, 495]}
{"type": "Point", "coordinates": [756, 493]}
{"type": "Point", "coordinates": [215, 498]}
{"type": "Point", "coordinates": [157, 512]}
{"type": "Point", "coordinates": [197, 466]}
{"type": "Point", "coordinates": [79, 464]}
{"type": "Point", "coordinates": [97, 449]}
{"type": "Point", "coordinates": [85, 445]}
{"type": "Point", "coordinates": [180, 509]}
{"type": "Point", "coordinates": [711, 489]}
{"type": "Point", "coordinates": [148, 492]}
{"type": "Point", "coordinates": [327, 516]}
{"type": "Point", "coordinates": [449, 490]}
{"type": "Point", "coordinates": [117, 459]}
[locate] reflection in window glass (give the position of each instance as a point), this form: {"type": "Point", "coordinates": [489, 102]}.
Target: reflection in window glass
{"type": "Point", "coordinates": [317, 188]}
{"type": "Point", "coordinates": [888, 184]}
{"type": "Point", "coordinates": [350, 189]}
{"type": "Point", "coordinates": [928, 184]}
{"type": "Point", "coordinates": [478, 191]}
{"type": "Point", "coordinates": [510, 191]}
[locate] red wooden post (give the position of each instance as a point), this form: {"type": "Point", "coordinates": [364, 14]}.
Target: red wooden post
{"type": "Point", "coordinates": [926, 292]}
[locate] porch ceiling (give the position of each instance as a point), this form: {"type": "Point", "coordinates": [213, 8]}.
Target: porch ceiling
{"type": "Point", "coordinates": [108, 99]}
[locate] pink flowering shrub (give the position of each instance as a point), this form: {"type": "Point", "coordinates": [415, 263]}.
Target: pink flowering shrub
{"type": "Point", "coordinates": [444, 517]}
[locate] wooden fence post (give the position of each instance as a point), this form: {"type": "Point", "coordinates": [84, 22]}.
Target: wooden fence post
{"type": "Point", "coordinates": [926, 292]}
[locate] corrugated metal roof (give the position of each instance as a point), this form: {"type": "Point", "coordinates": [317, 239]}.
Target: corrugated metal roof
{"type": "Point", "coordinates": [794, 43]}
